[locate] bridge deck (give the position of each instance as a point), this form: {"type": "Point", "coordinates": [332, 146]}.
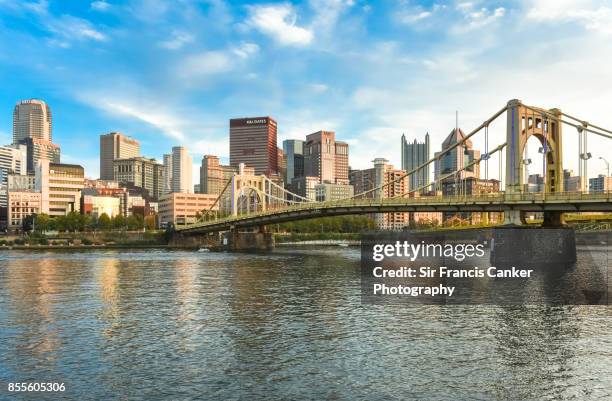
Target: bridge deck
{"type": "Point", "coordinates": [566, 202]}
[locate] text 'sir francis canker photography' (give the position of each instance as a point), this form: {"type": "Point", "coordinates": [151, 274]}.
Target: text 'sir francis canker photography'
{"type": "Point", "coordinates": [305, 200]}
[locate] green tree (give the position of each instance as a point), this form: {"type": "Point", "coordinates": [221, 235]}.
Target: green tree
{"type": "Point", "coordinates": [43, 223]}
{"type": "Point", "coordinates": [73, 222]}
{"type": "Point", "coordinates": [119, 222]}
{"type": "Point", "coordinates": [135, 222]}
{"type": "Point", "coordinates": [104, 222]}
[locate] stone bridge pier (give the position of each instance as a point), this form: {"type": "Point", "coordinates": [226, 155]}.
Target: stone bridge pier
{"type": "Point", "coordinates": [260, 240]}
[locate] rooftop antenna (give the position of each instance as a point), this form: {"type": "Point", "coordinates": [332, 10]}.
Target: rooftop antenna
{"type": "Point", "coordinates": [456, 121]}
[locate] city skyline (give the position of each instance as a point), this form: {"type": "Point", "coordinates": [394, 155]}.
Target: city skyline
{"type": "Point", "coordinates": [322, 80]}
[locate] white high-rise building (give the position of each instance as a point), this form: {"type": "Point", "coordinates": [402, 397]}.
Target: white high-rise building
{"type": "Point", "coordinates": [13, 160]}
{"type": "Point", "coordinates": [182, 166]}
{"type": "Point", "coordinates": [32, 119]}
{"type": "Point", "coordinates": [167, 173]}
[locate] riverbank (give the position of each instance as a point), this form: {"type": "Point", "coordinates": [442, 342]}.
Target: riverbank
{"type": "Point", "coordinates": [92, 247]}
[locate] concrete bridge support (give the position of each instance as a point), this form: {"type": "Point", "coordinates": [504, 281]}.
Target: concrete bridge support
{"type": "Point", "coordinates": [235, 240]}
{"type": "Point", "coordinates": [553, 219]}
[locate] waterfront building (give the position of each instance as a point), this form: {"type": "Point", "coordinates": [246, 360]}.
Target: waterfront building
{"type": "Point", "coordinates": [182, 208]}
{"type": "Point", "coordinates": [140, 172]}
{"type": "Point", "coordinates": [32, 119]}
{"type": "Point", "coordinates": [397, 184]}
{"type": "Point", "coordinates": [326, 158]}
{"type": "Point", "coordinates": [115, 146]}
{"type": "Point", "coordinates": [415, 154]}
{"type": "Point", "coordinates": [96, 205]}
{"type": "Point", "coordinates": [21, 204]}
{"type": "Point", "coordinates": [331, 192]}
{"type": "Point", "coordinates": [601, 183]}
{"type": "Point", "coordinates": [294, 155]}
{"type": "Point", "coordinates": [214, 175]}
{"type": "Point", "coordinates": [253, 142]}
{"type": "Point", "coordinates": [60, 186]}
{"type": "Point", "coordinates": [182, 166]}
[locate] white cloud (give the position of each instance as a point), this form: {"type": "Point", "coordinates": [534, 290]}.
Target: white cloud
{"type": "Point", "coordinates": [592, 16]}
{"type": "Point", "coordinates": [412, 18]}
{"type": "Point", "coordinates": [478, 18]}
{"type": "Point", "coordinates": [279, 22]}
{"type": "Point", "coordinates": [65, 28]}
{"type": "Point", "coordinates": [327, 13]}
{"type": "Point", "coordinates": [204, 64]}
{"type": "Point", "coordinates": [177, 40]}
{"type": "Point", "coordinates": [319, 88]}
{"type": "Point", "coordinates": [418, 14]}
{"type": "Point", "coordinates": [100, 5]}
{"type": "Point", "coordinates": [71, 27]}
{"type": "Point", "coordinates": [245, 50]}
{"type": "Point", "coordinates": [167, 122]}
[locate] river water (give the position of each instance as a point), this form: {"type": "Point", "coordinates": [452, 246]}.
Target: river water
{"type": "Point", "coordinates": [290, 325]}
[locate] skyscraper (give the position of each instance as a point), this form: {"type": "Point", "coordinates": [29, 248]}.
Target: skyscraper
{"type": "Point", "coordinates": [294, 155]}
{"type": "Point", "coordinates": [341, 163]}
{"type": "Point", "coordinates": [31, 119]}
{"type": "Point", "coordinates": [415, 154]}
{"type": "Point", "coordinates": [115, 146]}
{"type": "Point", "coordinates": [182, 180]}
{"type": "Point", "coordinates": [214, 175]}
{"type": "Point", "coordinates": [383, 173]}
{"type": "Point", "coordinates": [457, 158]}
{"type": "Point", "coordinates": [253, 142]}
{"type": "Point", "coordinates": [168, 173]}
{"type": "Point", "coordinates": [32, 128]}
{"type": "Point", "coordinates": [13, 160]}
{"type": "Point", "coordinates": [326, 158]}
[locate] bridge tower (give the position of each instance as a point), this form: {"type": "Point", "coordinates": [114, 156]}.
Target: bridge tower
{"type": "Point", "coordinates": [248, 192]}
{"type": "Point", "coordinates": [522, 123]}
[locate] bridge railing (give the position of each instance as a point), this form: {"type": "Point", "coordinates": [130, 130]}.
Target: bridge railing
{"type": "Point", "coordinates": [440, 200]}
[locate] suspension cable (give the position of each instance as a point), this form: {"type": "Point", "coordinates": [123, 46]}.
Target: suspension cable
{"type": "Point", "coordinates": [440, 154]}
{"type": "Point", "coordinates": [497, 149]}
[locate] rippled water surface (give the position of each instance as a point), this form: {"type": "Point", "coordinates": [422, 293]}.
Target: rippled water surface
{"type": "Point", "coordinates": [289, 325]}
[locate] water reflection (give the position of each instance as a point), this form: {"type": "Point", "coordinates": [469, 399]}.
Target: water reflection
{"type": "Point", "coordinates": [287, 325]}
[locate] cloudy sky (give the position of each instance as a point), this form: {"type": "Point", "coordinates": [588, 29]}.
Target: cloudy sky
{"type": "Point", "coordinates": [174, 72]}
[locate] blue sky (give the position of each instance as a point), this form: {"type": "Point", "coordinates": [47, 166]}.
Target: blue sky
{"type": "Point", "coordinates": [174, 72]}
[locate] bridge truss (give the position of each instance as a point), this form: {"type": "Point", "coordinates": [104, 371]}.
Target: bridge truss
{"type": "Point", "coordinates": [252, 200]}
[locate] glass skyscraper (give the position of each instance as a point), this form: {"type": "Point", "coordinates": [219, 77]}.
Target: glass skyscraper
{"type": "Point", "coordinates": [415, 154]}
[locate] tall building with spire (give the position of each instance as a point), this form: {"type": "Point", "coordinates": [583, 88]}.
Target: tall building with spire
{"type": "Point", "coordinates": [415, 154]}
{"type": "Point", "coordinates": [456, 159]}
